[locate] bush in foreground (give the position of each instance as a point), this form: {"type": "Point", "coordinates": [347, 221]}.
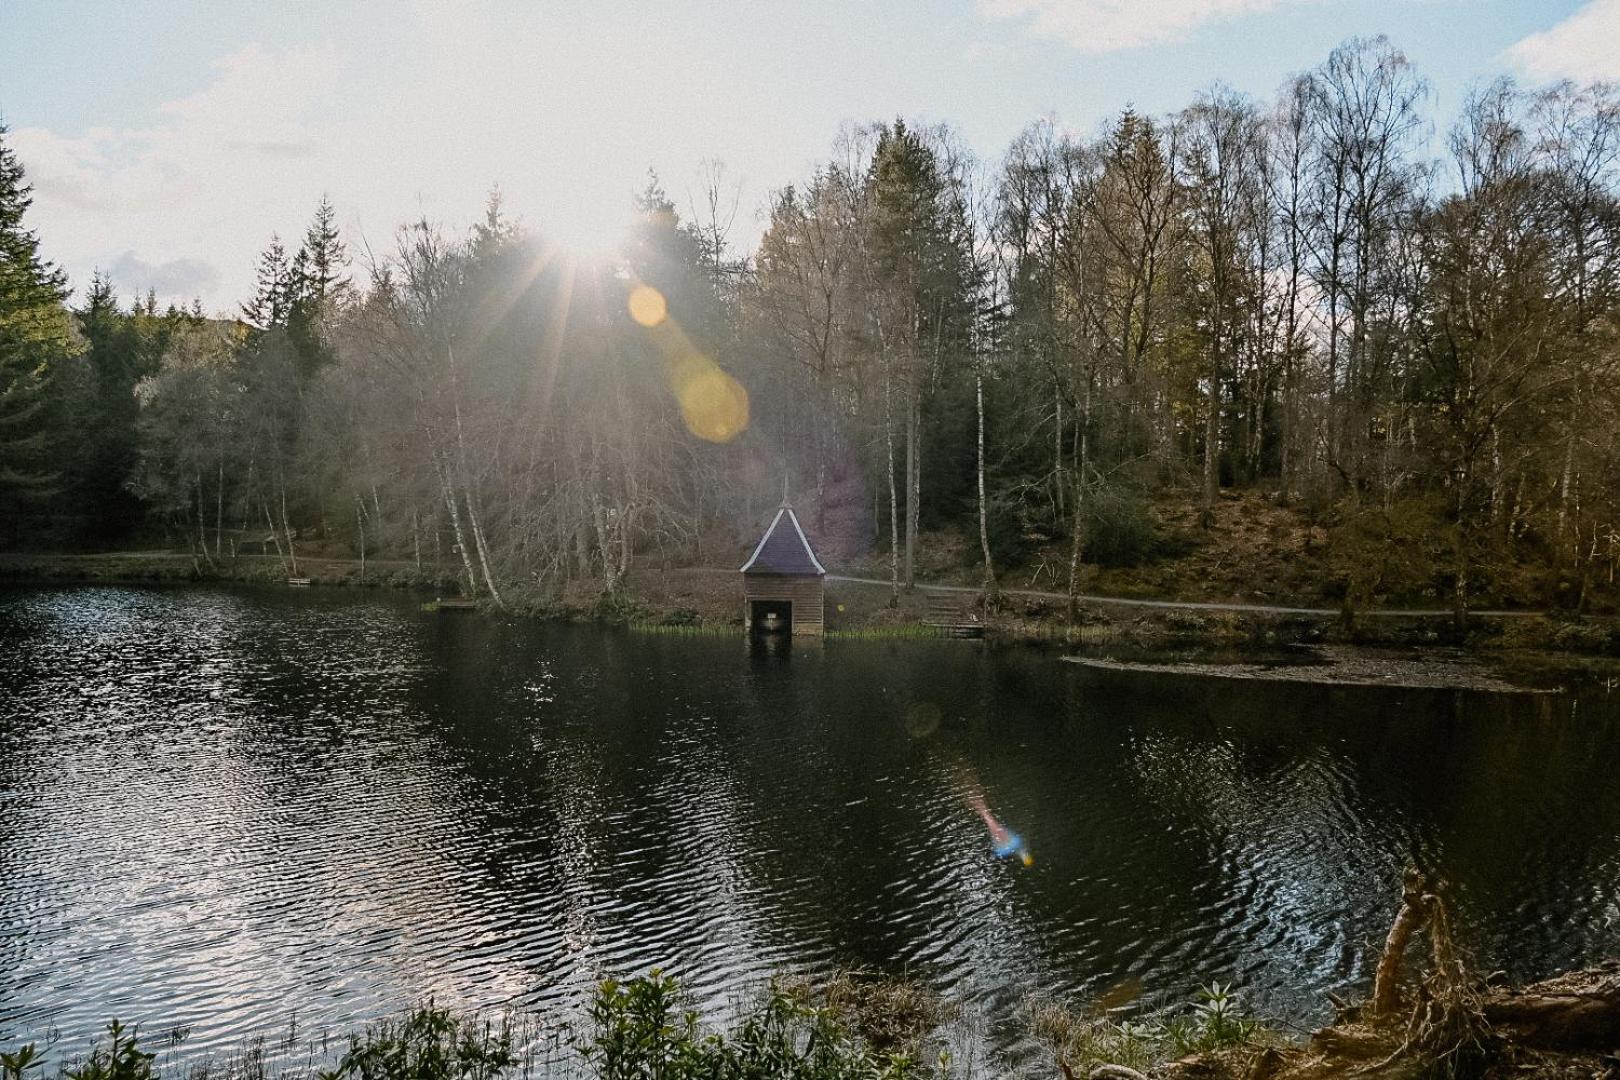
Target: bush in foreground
{"type": "Point", "coordinates": [640, 1029]}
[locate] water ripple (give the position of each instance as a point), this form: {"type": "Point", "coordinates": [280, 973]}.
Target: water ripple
{"type": "Point", "coordinates": [219, 809]}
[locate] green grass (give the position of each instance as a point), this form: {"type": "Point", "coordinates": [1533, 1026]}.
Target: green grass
{"type": "Point", "coordinates": [864, 633]}
{"type": "Point", "coordinates": [641, 1028]}
{"type": "Point", "coordinates": [687, 629]}
{"type": "Point", "coordinates": [849, 1026]}
{"type": "Point", "coordinates": [1216, 1022]}
{"type": "Point", "coordinates": [881, 633]}
{"type": "Point", "coordinates": [1072, 635]}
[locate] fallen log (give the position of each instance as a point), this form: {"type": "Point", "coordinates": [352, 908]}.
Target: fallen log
{"type": "Point", "coordinates": [1574, 1013]}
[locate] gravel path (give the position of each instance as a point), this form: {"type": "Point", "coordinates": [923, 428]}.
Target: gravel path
{"type": "Point", "coordinates": [1199, 605]}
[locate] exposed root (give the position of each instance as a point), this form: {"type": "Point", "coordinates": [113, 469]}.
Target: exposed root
{"type": "Point", "coordinates": [1452, 1023]}
{"type": "Point", "coordinates": [1387, 981]}
{"type": "Point", "coordinates": [1447, 1030]}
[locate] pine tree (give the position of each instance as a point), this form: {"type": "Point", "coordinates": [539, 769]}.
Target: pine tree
{"type": "Point", "coordinates": [35, 337]}
{"type": "Point", "coordinates": [921, 283]}
{"type": "Point", "coordinates": [324, 256]}
{"type": "Point", "coordinates": [313, 288]}
{"type": "Point", "coordinates": [496, 232]}
{"type": "Point", "coordinates": [271, 289]}
{"type": "Point", "coordinates": [106, 449]}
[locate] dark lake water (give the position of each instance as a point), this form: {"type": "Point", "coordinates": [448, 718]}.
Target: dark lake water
{"type": "Point", "coordinates": [222, 808]}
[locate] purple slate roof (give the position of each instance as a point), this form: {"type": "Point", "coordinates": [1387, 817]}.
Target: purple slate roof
{"type": "Point", "coordinates": [783, 549]}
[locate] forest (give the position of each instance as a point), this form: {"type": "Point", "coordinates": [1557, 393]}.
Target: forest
{"type": "Point", "coordinates": [1405, 334]}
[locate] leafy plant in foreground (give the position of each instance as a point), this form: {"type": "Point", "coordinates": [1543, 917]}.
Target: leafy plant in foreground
{"type": "Point", "coordinates": [642, 1032]}
{"type": "Point", "coordinates": [121, 1059]}
{"type": "Point", "coordinates": [1218, 1022]}
{"type": "Point", "coordinates": [14, 1065]}
{"type": "Point", "coordinates": [430, 1043]}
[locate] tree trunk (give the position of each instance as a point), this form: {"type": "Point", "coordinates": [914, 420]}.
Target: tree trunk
{"type": "Point", "coordinates": [219, 506]}
{"type": "Point", "coordinates": [989, 585]}
{"type": "Point", "coordinates": [1285, 440]}
{"type": "Point", "coordinates": [1078, 527]}
{"type": "Point", "coordinates": [1459, 554]}
{"type": "Point", "coordinates": [1212, 446]}
{"type": "Point", "coordinates": [1077, 533]}
{"type": "Point", "coordinates": [821, 478]}
{"type": "Point", "coordinates": [202, 518]}
{"type": "Point", "coordinates": [1386, 981]}
{"type": "Point", "coordinates": [1057, 453]}
{"type": "Point", "coordinates": [270, 523]}
{"type": "Point", "coordinates": [1257, 434]}
{"type": "Point", "coordinates": [894, 497]}
{"type": "Point", "coordinates": [913, 486]}
{"type": "Point", "coordinates": [286, 525]}
{"type": "Point", "coordinates": [483, 551]}
{"type": "Point", "coordinates": [448, 491]}
{"type": "Point", "coordinates": [1565, 485]}
{"type": "Point", "coordinates": [1496, 475]}
{"type": "Point", "coordinates": [604, 544]}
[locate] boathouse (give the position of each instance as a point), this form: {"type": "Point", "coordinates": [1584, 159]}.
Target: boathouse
{"type": "Point", "coordinates": [783, 581]}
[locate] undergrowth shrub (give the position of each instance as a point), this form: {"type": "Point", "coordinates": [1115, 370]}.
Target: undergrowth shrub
{"type": "Point", "coordinates": [1217, 1021]}
{"type": "Point", "coordinates": [120, 1059]}
{"type": "Point", "coordinates": [1119, 529]}
{"type": "Point", "coordinates": [17, 1064]}
{"type": "Point", "coordinates": [429, 1043]}
{"type": "Point", "coordinates": [641, 1031]}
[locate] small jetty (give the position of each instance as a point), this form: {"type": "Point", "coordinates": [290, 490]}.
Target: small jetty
{"type": "Point", "coordinates": [952, 615]}
{"type": "Point", "coordinates": [299, 582]}
{"type": "Point", "coordinates": [454, 603]}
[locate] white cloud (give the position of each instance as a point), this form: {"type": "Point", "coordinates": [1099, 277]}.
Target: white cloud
{"type": "Point", "coordinates": [1106, 25]}
{"type": "Point", "coordinates": [192, 192]}
{"type": "Point", "coordinates": [1584, 47]}
{"type": "Point", "coordinates": [568, 128]}
{"type": "Point", "coordinates": [132, 276]}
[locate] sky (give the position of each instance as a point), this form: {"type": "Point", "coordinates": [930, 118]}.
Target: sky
{"type": "Point", "coordinates": [167, 141]}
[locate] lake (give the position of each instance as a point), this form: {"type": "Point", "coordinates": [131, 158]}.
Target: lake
{"type": "Point", "coordinates": [220, 809]}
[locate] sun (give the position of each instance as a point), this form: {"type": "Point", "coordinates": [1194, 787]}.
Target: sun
{"type": "Point", "coordinates": [590, 228]}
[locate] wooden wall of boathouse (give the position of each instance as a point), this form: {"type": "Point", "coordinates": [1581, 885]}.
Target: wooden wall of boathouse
{"type": "Point", "coordinates": [806, 593]}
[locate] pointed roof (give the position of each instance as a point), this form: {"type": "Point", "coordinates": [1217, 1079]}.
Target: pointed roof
{"type": "Point", "coordinates": [783, 550]}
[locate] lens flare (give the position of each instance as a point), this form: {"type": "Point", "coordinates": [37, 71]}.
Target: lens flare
{"type": "Point", "coordinates": [647, 305]}
{"type": "Point", "coordinates": [713, 404]}
{"type": "Point", "coordinates": [1003, 841]}
{"type": "Point", "coordinates": [922, 718]}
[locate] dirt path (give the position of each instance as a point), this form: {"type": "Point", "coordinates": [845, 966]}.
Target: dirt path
{"type": "Point", "coordinates": [966, 590]}
{"type": "Point", "coordinates": [1199, 605]}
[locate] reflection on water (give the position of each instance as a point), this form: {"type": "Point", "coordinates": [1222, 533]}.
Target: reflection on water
{"type": "Point", "coordinates": [220, 808]}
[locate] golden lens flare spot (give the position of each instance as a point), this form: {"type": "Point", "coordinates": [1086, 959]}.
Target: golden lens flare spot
{"type": "Point", "coordinates": [713, 404]}
{"type": "Point", "coordinates": [647, 305]}
{"type": "Point", "coordinates": [922, 719]}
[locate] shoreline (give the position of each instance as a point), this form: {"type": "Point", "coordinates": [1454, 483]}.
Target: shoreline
{"type": "Point", "coordinates": [700, 599]}
{"type": "Point", "coordinates": [1449, 1021]}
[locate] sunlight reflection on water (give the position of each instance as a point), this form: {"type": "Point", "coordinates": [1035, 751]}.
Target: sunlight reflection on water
{"type": "Point", "coordinates": [218, 808]}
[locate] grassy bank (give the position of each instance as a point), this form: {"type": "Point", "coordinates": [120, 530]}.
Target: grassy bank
{"type": "Point", "coordinates": [181, 568]}
{"type": "Point", "coordinates": [1447, 1023]}
{"type": "Point", "coordinates": [707, 600]}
